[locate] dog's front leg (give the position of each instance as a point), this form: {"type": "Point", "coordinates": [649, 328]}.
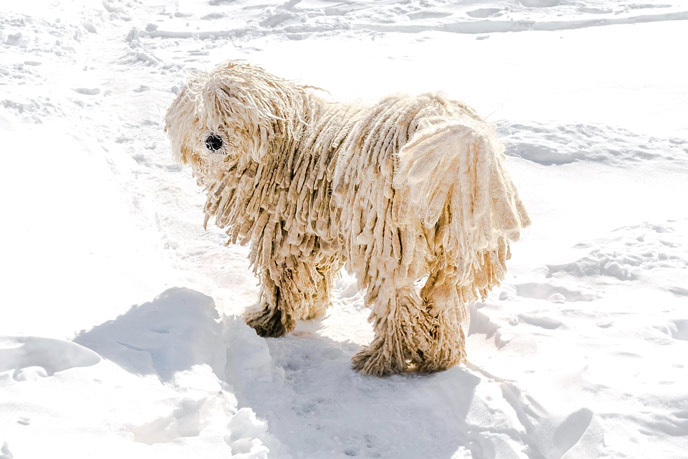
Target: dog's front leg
{"type": "Point", "coordinates": [291, 290]}
{"type": "Point", "coordinates": [273, 316]}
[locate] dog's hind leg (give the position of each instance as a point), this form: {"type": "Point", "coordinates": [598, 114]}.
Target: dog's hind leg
{"type": "Point", "coordinates": [415, 333]}
{"type": "Point", "coordinates": [446, 315]}
{"type": "Point", "coordinates": [404, 334]}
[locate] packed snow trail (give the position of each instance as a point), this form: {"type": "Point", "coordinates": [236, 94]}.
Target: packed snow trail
{"type": "Point", "coordinates": [580, 354]}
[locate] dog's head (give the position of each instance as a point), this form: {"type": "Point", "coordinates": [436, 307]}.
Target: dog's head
{"type": "Point", "coordinates": [237, 111]}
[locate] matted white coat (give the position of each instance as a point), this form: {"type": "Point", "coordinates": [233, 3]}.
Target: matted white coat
{"type": "Point", "coordinates": [411, 188]}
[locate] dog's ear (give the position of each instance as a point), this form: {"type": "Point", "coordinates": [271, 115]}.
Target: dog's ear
{"type": "Point", "coordinates": [179, 122]}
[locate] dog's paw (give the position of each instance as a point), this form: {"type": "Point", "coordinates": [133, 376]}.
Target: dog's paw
{"type": "Point", "coordinates": [425, 365]}
{"type": "Point", "coordinates": [373, 360]}
{"type": "Point", "coordinates": [440, 354]}
{"type": "Point", "coordinates": [269, 322]}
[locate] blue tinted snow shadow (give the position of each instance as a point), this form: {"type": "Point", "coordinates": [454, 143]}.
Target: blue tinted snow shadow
{"type": "Point", "coordinates": [177, 330]}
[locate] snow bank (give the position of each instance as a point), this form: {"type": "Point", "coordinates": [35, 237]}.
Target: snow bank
{"type": "Point", "coordinates": [155, 388]}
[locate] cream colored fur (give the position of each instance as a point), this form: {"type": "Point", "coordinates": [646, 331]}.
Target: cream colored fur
{"type": "Point", "coordinates": [409, 189]}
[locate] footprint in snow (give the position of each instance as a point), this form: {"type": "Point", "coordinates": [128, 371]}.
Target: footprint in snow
{"type": "Point", "coordinates": [679, 330]}
{"type": "Point", "coordinates": [483, 13]}
{"type": "Point", "coordinates": [540, 321]}
{"type": "Point", "coordinates": [5, 452]}
{"type": "Point", "coordinates": [572, 429]}
{"type": "Point", "coordinates": [553, 293]}
{"type": "Point", "coordinates": [87, 91]}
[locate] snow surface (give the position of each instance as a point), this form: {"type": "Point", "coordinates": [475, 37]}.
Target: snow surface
{"type": "Point", "coordinates": [580, 354]}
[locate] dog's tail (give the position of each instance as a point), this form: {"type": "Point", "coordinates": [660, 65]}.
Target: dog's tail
{"type": "Point", "coordinates": [459, 188]}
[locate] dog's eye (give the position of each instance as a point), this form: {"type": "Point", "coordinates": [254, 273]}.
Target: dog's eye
{"type": "Point", "coordinates": [213, 142]}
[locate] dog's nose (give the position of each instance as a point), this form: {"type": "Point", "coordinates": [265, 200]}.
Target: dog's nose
{"type": "Point", "coordinates": [213, 142]}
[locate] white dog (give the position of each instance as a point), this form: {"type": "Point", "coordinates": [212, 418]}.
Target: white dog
{"type": "Point", "coordinates": [410, 188]}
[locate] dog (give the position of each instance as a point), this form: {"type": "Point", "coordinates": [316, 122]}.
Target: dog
{"type": "Point", "coordinates": [413, 188]}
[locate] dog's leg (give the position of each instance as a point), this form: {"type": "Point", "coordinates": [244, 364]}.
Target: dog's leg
{"type": "Point", "coordinates": [403, 334]}
{"type": "Point", "coordinates": [273, 316]}
{"type": "Point", "coordinates": [445, 315]}
{"type": "Point", "coordinates": [302, 292]}
{"type": "Point", "coordinates": [321, 297]}
{"type": "Point", "coordinates": [414, 334]}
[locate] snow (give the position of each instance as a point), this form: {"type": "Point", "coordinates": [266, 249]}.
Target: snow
{"type": "Point", "coordinates": [579, 354]}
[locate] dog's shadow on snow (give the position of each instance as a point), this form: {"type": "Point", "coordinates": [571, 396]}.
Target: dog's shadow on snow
{"type": "Point", "coordinates": [179, 329]}
{"type": "Point", "coordinates": [305, 388]}
{"type": "Point", "coordinates": [302, 385]}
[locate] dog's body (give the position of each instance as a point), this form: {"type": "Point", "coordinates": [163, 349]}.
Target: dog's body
{"type": "Point", "coordinates": [408, 188]}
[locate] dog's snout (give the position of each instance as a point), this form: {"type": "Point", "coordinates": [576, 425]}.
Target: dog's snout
{"type": "Point", "coordinates": [213, 142]}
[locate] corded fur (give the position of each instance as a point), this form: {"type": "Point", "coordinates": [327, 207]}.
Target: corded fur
{"type": "Point", "coordinates": [408, 188]}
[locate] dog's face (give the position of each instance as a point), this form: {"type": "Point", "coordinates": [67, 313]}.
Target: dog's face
{"type": "Point", "coordinates": [221, 117]}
